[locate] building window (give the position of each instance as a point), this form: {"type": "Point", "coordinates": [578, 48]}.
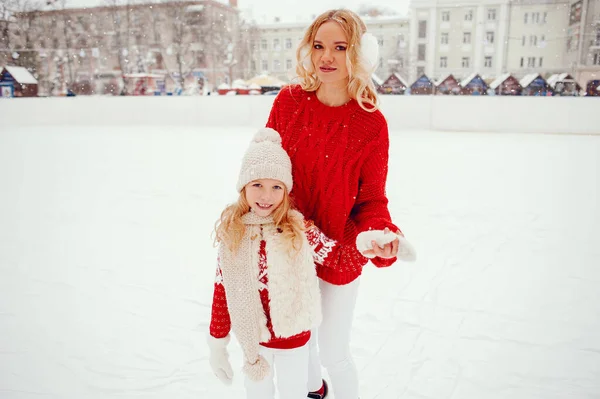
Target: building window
{"type": "Point", "coordinates": [491, 14]}
{"type": "Point", "coordinates": [535, 17]}
{"type": "Point", "coordinates": [545, 17]}
{"type": "Point", "coordinates": [263, 44]}
{"type": "Point", "coordinates": [253, 65]}
{"type": "Point", "coordinates": [531, 62]}
{"type": "Point", "coordinates": [444, 38]}
{"type": "Point", "coordinates": [276, 65]}
{"type": "Point", "coordinates": [533, 40]}
{"type": "Point", "coordinates": [288, 43]}
{"type": "Point", "coordinates": [525, 18]}
{"type": "Point", "coordinates": [596, 60]}
{"type": "Point", "coordinates": [445, 16]}
{"type": "Point", "coordinates": [541, 62]}
{"type": "Point", "coordinates": [265, 65]}
{"type": "Point", "coordinates": [467, 37]}
{"type": "Point", "coordinates": [488, 62]}
{"type": "Point", "coordinates": [288, 64]}
{"type": "Point", "coordinates": [421, 52]}
{"type": "Point", "coordinates": [469, 15]}
{"type": "Point", "coordinates": [522, 62]}
{"type": "Point", "coordinates": [443, 62]}
{"type": "Point", "coordinates": [276, 45]}
{"type": "Point", "coordinates": [524, 40]}
{"type": "Point", "coordinates": [489, 36]}
{"type": "Point", "coordinates": [422, 29]}
{"type": "Point", "coordinates": [465, 62]}
{"type": "Point", "coordinates": [380, 41]}
{"type": "Point", "coordinates": [420, 71]}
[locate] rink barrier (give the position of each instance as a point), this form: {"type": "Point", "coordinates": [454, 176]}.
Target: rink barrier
{"type": "Point", "coordinates": [567, 115]}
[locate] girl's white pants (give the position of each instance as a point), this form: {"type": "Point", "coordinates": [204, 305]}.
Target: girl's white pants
{"type": "Point", "coordinates": [333, 337]}
{"type": "Point", "coordinates": [289, 367]}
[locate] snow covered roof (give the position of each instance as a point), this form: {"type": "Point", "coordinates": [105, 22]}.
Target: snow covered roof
{"type": "Point", "coordinates": [401, 79]}
{"type": "Point", "coordinates": [527, 79]}
{"type": "Point", "coordinates": [441, 80]}
{"type": "Point", "coordinates": [21, 75]}
{"type": "Point", "coordinates": [558, 77]}
{"type": "Point", "coordinates": [499, 80]}
{"type": "Point", "coordinates": [266, 80]}
{"type": "Point", "coordinates": [468, 79]}
{"type": "Point", "coordinates": [377, 79]}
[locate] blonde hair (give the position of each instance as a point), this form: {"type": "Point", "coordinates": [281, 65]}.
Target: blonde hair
{"type": "Point", "coordinates": [360, 84]}
{"type": "Point", "coordinates": [230, 229]}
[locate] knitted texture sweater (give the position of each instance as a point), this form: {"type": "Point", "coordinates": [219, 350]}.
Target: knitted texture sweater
{"type": "Point", "coordinates": [324, 252]}
{"type": "Point", "coordinates": [339, 166]}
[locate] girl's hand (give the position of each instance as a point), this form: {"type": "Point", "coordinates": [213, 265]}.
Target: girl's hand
{"type": "Point", "coordinates": [388, 251]}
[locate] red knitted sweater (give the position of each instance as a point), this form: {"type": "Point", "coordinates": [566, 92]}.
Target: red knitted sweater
{"type": "Point", "coordinates": [339, 165]}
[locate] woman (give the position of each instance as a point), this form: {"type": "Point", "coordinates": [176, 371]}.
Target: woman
{"type": "Point", "coordinates": [338, 143]}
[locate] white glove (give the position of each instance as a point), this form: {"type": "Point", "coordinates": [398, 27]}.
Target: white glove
{"type": "Point", "coordinates": [406, 251]}
{"type": "Point", "coordinates": [219, 358]}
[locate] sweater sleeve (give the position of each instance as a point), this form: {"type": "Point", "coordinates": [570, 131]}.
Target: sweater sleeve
{"type": "Point", "coordinates": [328, 252]}
{"type": "Point", "coordinates": [370, 210]}
{"type": "Point", "coordinates": [220, 322]}
{"type": "Point", "coordinates": [272, 122]}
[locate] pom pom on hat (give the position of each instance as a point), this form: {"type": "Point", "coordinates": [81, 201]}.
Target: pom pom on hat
{"type": "Point", "coordinates": [265, 159]}
{"type": "Point", "coordinates": [267, 134]}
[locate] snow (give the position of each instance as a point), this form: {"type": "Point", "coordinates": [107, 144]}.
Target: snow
{"type": "Point", "coordinates": [107, 261]}
{"type": "Point", "coordinates": [401, 79]}
{"type": "Point", "coordinates": [21, 75]}
{"type": "Point", "coordinates": [527, 79]}
{"type": "Point", "coordinates": [499, 80]}
{"type": "Point", "coordinates": [468, 79]}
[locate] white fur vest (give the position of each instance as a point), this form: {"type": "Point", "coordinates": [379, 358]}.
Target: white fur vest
{"type": "Point", "coordinates": [294, 297]}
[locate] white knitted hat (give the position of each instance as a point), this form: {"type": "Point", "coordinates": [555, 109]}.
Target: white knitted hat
{"type": "Point", "coordinates": [266, 159]}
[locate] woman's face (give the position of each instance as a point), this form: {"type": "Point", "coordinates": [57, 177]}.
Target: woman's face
{"type": "Point", "coordinates": [329, 53]}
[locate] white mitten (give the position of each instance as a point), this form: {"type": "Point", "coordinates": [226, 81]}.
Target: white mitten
{"type": "Point", "coordinates": [219, 358]}
{"type": "Point", "coordinates": [406, 251]}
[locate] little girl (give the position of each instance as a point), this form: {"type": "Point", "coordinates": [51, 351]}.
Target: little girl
{"type": "Point", "coordinates": [266, 289]}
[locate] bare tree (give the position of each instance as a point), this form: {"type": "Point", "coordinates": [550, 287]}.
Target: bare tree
{"type": "Point", "coordinates": [120, 13]}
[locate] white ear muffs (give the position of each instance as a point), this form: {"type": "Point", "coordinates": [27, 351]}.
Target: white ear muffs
{"type": "Point", "coordinates": [369, 50]}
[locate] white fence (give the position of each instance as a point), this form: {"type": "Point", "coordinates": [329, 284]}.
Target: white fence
{"type": "Point", "coordinates": [461, 113]}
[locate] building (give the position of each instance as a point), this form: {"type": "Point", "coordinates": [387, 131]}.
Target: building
{"type": "Point", "coordinates": [93, 50]}
{"type": "Point", "coordinates": [274, 50]}
{"type": "Point", "coordinates": [583, 40]}
{"type": "Point", "coordinates": [489, 37]}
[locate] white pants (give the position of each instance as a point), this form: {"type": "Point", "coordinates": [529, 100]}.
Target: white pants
{"type": "Point", "coordinates": [338, 303]}
{"type": "Point", "coordinates": [289, 366]}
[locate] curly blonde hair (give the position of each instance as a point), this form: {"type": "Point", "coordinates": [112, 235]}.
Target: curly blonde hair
{"type": "Point", "coordinates": [230, 229]}
{"type": "Point", "coordinates": [360, 84]}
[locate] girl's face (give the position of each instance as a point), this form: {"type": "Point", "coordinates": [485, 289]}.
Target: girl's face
{"type": "Point", "coordinates": [329, 53]}
{"type": "Point", "coordinates": [264, 195]}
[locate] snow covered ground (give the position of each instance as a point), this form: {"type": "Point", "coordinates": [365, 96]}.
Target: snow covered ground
{"type": "Point", "coordinates": [106, 265]}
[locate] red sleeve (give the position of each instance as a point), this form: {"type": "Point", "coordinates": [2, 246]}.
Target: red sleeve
{"type": "Point", "coordinates": [220, 322]}
{"type": "Point", "coordinates": [273, 120]}
{"type": "Point", "coordinates": [370, 211]}
{"type": "Point", "coordinates": [328, 252]}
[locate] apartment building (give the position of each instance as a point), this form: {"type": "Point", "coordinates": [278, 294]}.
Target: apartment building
{"type": "Point", "coordinates": [93, 50]}
{"type": "Point", "coordinates": [583, 40]}
{"type": "Point", "coordinates": [489, 37]}
{"type": "Point", "coordinates": [274, 51]}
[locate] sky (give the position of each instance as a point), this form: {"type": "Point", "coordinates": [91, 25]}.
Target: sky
{"type": "Point", "coordinates": [265, 11]}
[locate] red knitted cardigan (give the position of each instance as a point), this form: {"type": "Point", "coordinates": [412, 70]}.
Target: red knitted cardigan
{"type": "Point", "coordinates": [325, 254]}
{"type": "Point", "coordinates": [339, 166]}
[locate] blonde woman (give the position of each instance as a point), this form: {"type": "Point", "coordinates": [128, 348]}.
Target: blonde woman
{"type": "Point", "coordinates": [338, 143]}
{"type": "Point", "coordinates": [266, 289]}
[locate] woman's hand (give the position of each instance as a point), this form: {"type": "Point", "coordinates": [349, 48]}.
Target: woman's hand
{"type": "Point", "coordinates": [388, 251]}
